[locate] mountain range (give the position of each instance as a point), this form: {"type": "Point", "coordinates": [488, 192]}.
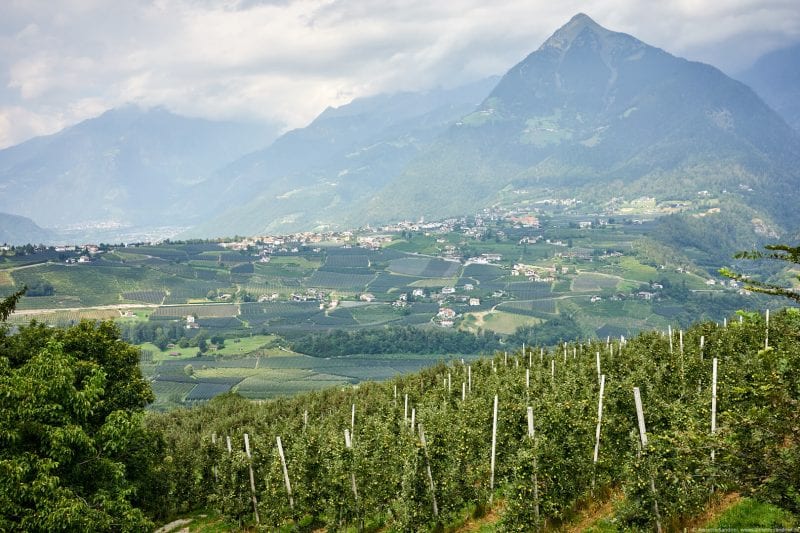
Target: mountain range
{"type": "Point", "coordinates": [127, 167]}
{"type": "Point", "coordinates": [776, 78]}
{"type": "Point", "coordinates": [592, 113]}
{"type": "Point", "coordinates": [598, 114]}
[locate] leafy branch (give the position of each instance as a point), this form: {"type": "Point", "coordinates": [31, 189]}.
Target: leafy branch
{"type": "Point", "coordinates": [779, 252]}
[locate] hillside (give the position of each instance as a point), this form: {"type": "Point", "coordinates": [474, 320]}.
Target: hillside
{"type": "Point", "coordinates": [776, 78]}
{"type": "Point", "coordinates": [596, 114]}
{"type": "Point", "coordinates": [127, 167]}
{"type": "Point", "coordinates": [15, 229]}
{"type": "Point", "coordinates": [313, 177]}
{"type": "Point", "coordinates": [423, 452]}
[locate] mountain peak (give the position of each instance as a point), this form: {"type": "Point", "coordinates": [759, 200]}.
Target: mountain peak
{"type": "Point", "coordinates": [562, 39]}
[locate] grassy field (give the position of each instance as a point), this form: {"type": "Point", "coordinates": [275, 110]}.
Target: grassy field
{"type": "Point", "coordinates": [497, 321]}
{"type": "Point", "coordinates": [269, 373]}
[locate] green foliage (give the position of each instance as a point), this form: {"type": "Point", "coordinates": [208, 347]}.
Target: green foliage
{"type": "Point", "coordinates": [395, 340]}
{"type": "Point", "coordinates": [780, 252]}
{"type": "Point", "coordinates": [755, 446]}
{"type": "Point", "coordinates": [749, 513]}
{"type": "Point", "coordinates": [74, 454]}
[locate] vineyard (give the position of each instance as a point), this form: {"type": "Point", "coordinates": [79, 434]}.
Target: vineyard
{"type": "Point", "coordinates": [666, 420]}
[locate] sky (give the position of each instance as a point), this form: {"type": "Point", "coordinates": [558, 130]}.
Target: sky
{"type": "Point", "coordinates": [284, 61]}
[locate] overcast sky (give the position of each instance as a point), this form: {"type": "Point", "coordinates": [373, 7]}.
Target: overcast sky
{"type": "Point", "coordinates": [62, 61]}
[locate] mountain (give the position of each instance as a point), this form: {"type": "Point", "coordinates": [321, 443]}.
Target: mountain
{"type": "Point", "coordinates": [314, 176]}
{"type": "Point", "coordinates": [776, 78]}
{"type": "Point", "coordinates": [597, 114]}
{"type": "Point", "coordinates": [15, 229]}
{"type": "Point", "coordinates": [127, 167]}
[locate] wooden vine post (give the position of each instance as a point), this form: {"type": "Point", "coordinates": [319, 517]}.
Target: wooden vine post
{"type": "Point", "coordinates": [252, 477]}
{"type": "Point", "coordinates": [285, 472]}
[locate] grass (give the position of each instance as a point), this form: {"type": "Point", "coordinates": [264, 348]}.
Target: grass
{"type": "Point", "coordinates": [749, 513]}
{"type": "Point", "coordinates": [5, 278]}
{"type": "Point", "coordinates": [497, 321]}
{"type": "Point", "coordinates": [233, 347]}
{"type": "Point", "coordinates": [593, 281]}
{"type": "Point", "coordinates": [434, 283]}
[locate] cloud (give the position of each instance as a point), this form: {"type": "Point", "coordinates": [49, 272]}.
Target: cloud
{"type": "Point", "coordinates": [286, 60]}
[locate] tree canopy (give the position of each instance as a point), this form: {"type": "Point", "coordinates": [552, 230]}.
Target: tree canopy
{"type": "Point", "coordinates": [74, 454]}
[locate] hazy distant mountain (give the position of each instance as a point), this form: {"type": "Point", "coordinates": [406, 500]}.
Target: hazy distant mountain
{"type": "Point", "coordinates": [127, 167]}
{"type": "Point", "coordinates": [776, 78]}
{"type": "Point", "coordinates": [15, 229]}
{"type": "Point", "coordinates": [314, 176]}
{"type": "Point", "coordinates": [597, 114]}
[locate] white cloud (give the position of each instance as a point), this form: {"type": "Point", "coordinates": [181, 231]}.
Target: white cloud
{"type": "Point", "coordinates": [289, 59]}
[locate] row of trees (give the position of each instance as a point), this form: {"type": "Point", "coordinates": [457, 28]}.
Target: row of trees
{"type": "Point", "coordinates": [755, 449]}
{"type": "Point", "coordinates": [395, 339]}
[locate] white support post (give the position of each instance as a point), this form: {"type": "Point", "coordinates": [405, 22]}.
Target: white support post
{"type": "Point", "coordinates": [494, 449]}
{"type": "Point", "coordinates": [541, 355]}
{"type": "Point", "coordinates": [669, 332]}
{"type": "Point", "coordinates": [252, 477]}
{"type": "Point", "coordinates": [348, 443]}
{"type": "Point", "coordinates": [702, 345]}
{"type": "Point", "coordinates": [532, 436]}
{"type": "Point", "coordinates": [637, 398]}
{"type": "Point", "coordinates": [413, 418]}
{"type": "Point", "coordinates": [449, 383]}
{"type": "Point", "coordinates": [214, 442]}
{"type": "Point", "coordinates": [405, 411]}
{"type": "Point", "coordinates": [597, 357]}
{"type": "Point", "coordinates": [469, 379]}
{"type": "Point", "coordinates": [680, 341]}
{"type": "Point", "coordinates": [552, 369]}
{"type": "Point", "coordinates": [285, 472]}
{"type": "Point", "coordinates": [505, 358]}
{"type": "Point", "coordinates": [527, 378]}
{"type": "Point", "coordinates": [428, 468]}
{"type": "Point", "coordinates": [599, 418]}
{"type": "Point", "coordinates": [463, 391]}
{"type": "Point", "coordinates": [766, 338]}
{"type": "Point", "coordinates": [305, 419]}
{"type": "Point", "coordinates": [713, 403]}
{"type": "Point", "coordinates": [228, 442]}
{"type": "Point", "coordinates": [643, 435]}
{"type": "Point", "coordinates": [353, 420]}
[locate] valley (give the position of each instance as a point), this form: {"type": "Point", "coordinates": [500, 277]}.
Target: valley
{"type": "Point", "coordinates": [240, 315]}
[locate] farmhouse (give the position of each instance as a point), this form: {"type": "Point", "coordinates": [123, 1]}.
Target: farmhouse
{"type": "Point", "coordinates": [446, 312]}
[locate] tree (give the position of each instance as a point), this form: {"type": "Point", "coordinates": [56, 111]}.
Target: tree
{"type": "Point", "coordinates": [74, 454]}
{"type": "Point", "coordinates": [779, 252]}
